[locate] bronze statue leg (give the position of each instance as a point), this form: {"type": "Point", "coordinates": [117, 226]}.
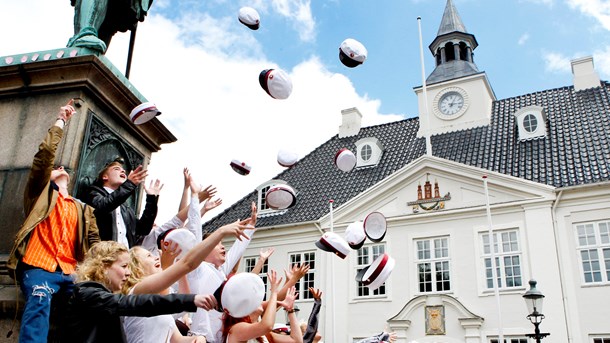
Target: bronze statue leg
{"type": "Point", "coordinates": [88, 17]}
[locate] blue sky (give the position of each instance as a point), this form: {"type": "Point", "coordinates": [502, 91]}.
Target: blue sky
{"type": "Point", "coordinates": [200, 66]}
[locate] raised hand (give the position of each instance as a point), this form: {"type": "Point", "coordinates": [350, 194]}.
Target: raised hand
{"type": "Point", "coordinates": [67, 111]}
{"type": "Point", "coordinates": [274, 281]}
{"type": "Point", "coordinates": [207, 193]}
{"type": "Point", "coordinates": [316, 293]}
{"type": "Point", "coordinates": [137, 175]}
{"type": "Point", "coordinates": [288, 302]}
{"type": "Point", "coordinates": [253, 214]}
{"type": "Point", "coordinates": [297, 271]}
{"type": "Point", "coordinates": [264, 254]}
{"type": "Point", "coordinates": [169, 252]}
{"type": "Point", "coordinates": [154, 188]}
{"type": "Point", "coordinates": [187, 177]}
{"type": "Point", "coordinates": [236, 228]}
{"type": "Point", "coordinates": [211, 204]}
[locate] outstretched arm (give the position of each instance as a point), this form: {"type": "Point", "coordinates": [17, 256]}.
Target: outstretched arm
{"type": "Point", "coordinates": [263, 255]}
{"type": "Point", "coordinates": [155, 283]}
{"type": "Point", "coordinates": [244, 331]}
{"type": "Point", "coordinates": [312, 323]}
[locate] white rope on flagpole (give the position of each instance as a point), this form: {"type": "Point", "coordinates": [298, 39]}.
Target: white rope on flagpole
{"type": "Point", "coordinates": [494, 271]}
{"type": "Point", "coordinates": [423, 80]}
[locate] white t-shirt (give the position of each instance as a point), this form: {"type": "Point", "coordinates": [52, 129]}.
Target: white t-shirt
{"type": "Point", "coordinates": [205, 280]}
{"type": "Point", "coordinates": [157, 329]}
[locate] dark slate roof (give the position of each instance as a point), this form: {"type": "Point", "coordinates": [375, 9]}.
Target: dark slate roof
{"type": "Point", "coordinates": [451, 20]}
{"type": "Point", "coordinates": [576, 151]}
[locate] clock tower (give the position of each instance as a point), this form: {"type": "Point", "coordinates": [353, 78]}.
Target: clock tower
{"type": "Point", "coordinates": [458, 96]}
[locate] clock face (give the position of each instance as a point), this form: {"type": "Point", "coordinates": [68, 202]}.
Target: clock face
{"type": "Point", "coordinates": [451, 103]}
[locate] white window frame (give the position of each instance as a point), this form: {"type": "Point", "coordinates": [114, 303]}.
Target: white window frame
{"type": "Point", "coordinates": [262, 190]}
{"type": "Point", "coordinates": [597, 241]}
{"type": "Point", "coordinates": [250, 262]}
{"type": "Point", "coordinates": [500, 256]}
{"type": "Point", "coordinates": [600, 339]}
{"type": "Point", "coordinates": [308, 280]}
{"type": "Point", "coordinates": [372, 252]}
{"type": "Point", "coordinates": [433, 259]}
{"type": "Point", "coordinates": [510, 339]}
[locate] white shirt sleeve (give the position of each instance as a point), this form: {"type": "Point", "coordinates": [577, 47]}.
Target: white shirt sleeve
{"type": "Point", "coordinates": [194, 219]}
{"type": "Point", "coordinates": [237, 251]}
{"type": "Point", "coordinates": [150, 241]}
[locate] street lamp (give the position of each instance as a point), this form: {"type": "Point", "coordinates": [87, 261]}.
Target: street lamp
{"type": "Point", "coordinates": [533, 299]}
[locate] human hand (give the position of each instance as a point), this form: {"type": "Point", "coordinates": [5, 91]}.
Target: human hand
{"type": "Point", "coordinates": [169, 252]}
{"type": "Point", "coordinates": [187, 177]}
{"type": "Point", "coordinates": [207, 193]}
{"type": "Point", "coordinates": [154, 188]}
{"type": "Point", "coordinates": [137, 175]}
{"type": "Point", "coordinates": [67, 111]}
{"type": "Point", "coordinates": [264, 254]}
{"type": "Point", "coordinates": [288, 302]}
{"type": "Point", "coordinates": [316, 293]}
{"type": "Point", "coordinates": [297, 271]}
{"type": "Point", "coordinates": [393, 337]}
{"type": "Point", "coordinates": [206, 302]}
{"type": "Point", "coordinates": [274, 281]}
{"type": "Point", "coordinates": [253, 214]}
{"type": "Point", "coordinates": [211, 204]}
{"type": "Point", "coordinates": [236, 228]}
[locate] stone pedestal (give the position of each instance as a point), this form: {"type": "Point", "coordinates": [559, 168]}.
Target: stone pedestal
{"type": "Point", "coordinates": [32, 88]}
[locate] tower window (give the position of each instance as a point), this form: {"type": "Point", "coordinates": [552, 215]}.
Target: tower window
{"type": "Point", "coordinates": [449, 52]}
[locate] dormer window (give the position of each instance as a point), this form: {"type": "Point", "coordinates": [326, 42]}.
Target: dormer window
{"type": "Point", "coordinates": [369, 151]}
{"type": "Point", "coordinates": [262, 192]}
{"type": "Point", "coordinates": [530, 122]}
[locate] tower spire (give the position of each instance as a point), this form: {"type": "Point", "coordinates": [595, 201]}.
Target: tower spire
{"type": "Point", "coordinates": [452, 48]}
{"type": "Point", "coordinates": [451, 21]}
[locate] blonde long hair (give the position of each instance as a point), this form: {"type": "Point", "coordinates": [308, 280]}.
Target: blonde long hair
{"type": "Point", "coordinates": [136, 268]}
{"type": "Point", "coordinates": [97, 260]}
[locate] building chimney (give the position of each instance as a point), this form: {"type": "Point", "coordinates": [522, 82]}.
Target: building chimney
{"type": "Point", "coordinates": [351, 123]}
{"type": "Point", "coordinates": [584, 73]}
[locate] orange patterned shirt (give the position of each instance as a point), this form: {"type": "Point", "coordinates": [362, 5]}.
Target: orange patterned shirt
{"type": "Point", "coordinates": [53, 241]}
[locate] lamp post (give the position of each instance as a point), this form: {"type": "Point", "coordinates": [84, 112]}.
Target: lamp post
{"type": "Point", "coordinates": [533, 299]}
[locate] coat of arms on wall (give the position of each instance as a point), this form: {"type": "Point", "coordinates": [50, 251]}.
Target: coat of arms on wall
{"type": "Point", "coordinates": [426, 199]}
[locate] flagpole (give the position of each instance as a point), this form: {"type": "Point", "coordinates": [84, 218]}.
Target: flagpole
{"type": "Point", "coordinates": [332, 274]}
{"type": "Point", "coordinates": [493, 260]}
{"type": "Point", "coordinates": [423, 79]}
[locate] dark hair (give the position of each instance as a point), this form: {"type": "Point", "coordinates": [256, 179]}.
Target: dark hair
{"type": "Point", "coordinates": [116, 161]}
{"type": "Point", "coordinates": [162, 237]}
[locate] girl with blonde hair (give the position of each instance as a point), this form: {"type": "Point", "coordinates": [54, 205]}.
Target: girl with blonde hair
{"type": "Point", "coordinates": [95, 308]}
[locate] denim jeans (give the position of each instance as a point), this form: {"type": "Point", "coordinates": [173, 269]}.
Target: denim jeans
{"type": "Point", "coordinates": [39, 287]}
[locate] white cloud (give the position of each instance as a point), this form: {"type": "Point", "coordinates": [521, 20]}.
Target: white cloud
{"type": "Point", "coordinates": [601, 59]}
{"type": "Point", "coordinates": [598, 9]}
{"type": "Point", "coordinates": [556, 62]}
{"type": "Point", "coordinates": [207, 88]}
{"type": "Point", "coordinates": [523, 39]}
{"type": "Point", "coordinates": [299, 13]}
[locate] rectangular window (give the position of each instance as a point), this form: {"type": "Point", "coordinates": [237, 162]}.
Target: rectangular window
{"type": "Point", "coordinates": [366, 255]}
{"type": "Point", "coordinates": [432, 260]}
{"type": "Point", "coordinates": [262, 203]}
{"type": "Point", "coordinates": [510, 340]}
{"type": "Point", "coordinates": [507, 253]}
{"type": "Point", "coordinates": [250, 262]}
{"type": "Point", "coordinates": [308, 280]}
{"type": "Point", "coordinates": [601, 340]}
{"type": "Point", "coordinates": [594, 251]}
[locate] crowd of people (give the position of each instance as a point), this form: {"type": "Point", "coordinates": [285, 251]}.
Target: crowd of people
{"type": "Point", "coordinates": [103, 274]}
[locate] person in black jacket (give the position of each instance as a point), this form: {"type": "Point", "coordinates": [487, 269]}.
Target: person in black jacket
{"type": "Point", "coordinates": [117, 220]}
{"type": "Point", "coordinates": [94, 310]}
